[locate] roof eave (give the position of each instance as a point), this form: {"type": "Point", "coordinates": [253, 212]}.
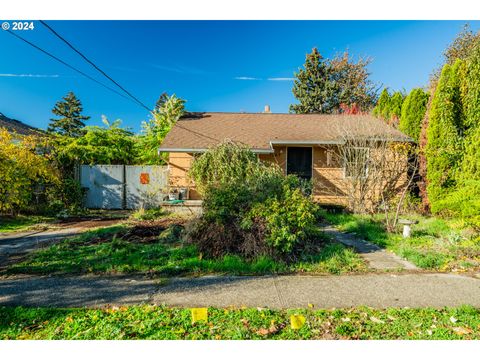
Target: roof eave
{"type": "Point", "coordinates": [202, 150]}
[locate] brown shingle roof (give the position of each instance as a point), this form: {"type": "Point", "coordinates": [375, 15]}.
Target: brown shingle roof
{"type": "Point", "coordinates": [199, 131]}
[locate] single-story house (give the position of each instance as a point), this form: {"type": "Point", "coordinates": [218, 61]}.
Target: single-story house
{"type": "Point", "coordinates": [300, 144]}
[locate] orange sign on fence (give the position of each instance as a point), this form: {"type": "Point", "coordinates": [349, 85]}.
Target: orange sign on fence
{"type": "Point", "coordinates": [144, 178]}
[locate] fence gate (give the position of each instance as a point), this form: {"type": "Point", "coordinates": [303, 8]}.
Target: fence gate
{"type": "Point", "coordinates": [123, 186]}
{"type": "Point", "coordinates": [145, 186]}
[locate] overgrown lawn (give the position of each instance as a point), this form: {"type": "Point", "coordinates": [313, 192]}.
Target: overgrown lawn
{"type": "Point", "coordinates": [435, 244]}
{"type": "Point", "coordinates": [23, 222]}
{"type": "Point", "coordinates": [158, 322]}
{"type": "Point", "coordinates": [123, 249]}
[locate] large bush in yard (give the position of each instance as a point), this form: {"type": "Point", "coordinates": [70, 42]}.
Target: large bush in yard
{"type": "Point", "coordinates": [289, 219]}
{"type": "Point", "coordinates": [21, 170]}
{"type": "Point", "coordinates": [250, 207]}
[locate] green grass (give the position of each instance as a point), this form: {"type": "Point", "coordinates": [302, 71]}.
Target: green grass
{"type": "Point", "coordinates": [104, 251]}
{"type": "Point", "coordinates": [152, 322]}
{"type": "Point", "coordinates": [148, 214]}
{"type": "Point", "coordinates": [435, 244]}
{"type": "Point", "coordinates": [22, 222]}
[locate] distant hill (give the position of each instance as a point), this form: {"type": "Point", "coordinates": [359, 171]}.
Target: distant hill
{"type": "Point", "coordinates": [17, 126]}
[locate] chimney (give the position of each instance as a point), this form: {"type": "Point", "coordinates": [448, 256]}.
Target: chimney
{"type": "Point", "coordinates": [267, 109]}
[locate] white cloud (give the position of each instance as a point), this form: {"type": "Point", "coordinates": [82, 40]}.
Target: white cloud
{"type": "Point", "coordinates": [30, 75]}
{"type": "Point", "coordinates": [281, 79]}
{"type": "Point", "coordinates": [180, 69]}
{"type": "Point", "coordinates": [246, 78]}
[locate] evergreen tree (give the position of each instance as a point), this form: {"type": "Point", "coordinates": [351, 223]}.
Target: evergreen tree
{"type": "Point", "coordinates": [327, 86]}
{"type": "Point", "coordinates": [71, 120]}
{"type": "Point", "coordinates": [443, 149]}
{"type": "Point", "coordinates": [381, 110]}
{"type": "Point", "coordinates": [395, 107]}
{"type": "Point", "coordinates": [413, 111]}
{"type": "Point", "coordinates": [312, 86]}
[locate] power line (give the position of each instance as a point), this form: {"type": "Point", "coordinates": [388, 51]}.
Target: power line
{"type": "Point", "coordinates": [68, 65]}
{"type": "Point", "coordinates": [91, 63]}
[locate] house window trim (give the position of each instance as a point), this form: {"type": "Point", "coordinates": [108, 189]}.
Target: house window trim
{"type": "Point", "coordinates": [367, 167]}
{"type": "Point", "coordinates": [297, 146]}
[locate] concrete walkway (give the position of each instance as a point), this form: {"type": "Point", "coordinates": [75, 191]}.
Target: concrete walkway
{"type": "Point", "coordinates": [376, 290]}
{"type": "Point", "coordinates": [375, 256]}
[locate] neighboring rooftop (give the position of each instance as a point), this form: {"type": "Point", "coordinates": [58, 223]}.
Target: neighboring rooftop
{"type": "Point", "coordinates": [200, 131]}
{"type": "Point", "coordinates": [17, 126]}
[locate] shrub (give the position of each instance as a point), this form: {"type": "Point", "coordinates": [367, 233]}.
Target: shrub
{"type": "Point", "coordinates": [230, 163]}
{"type": "Point", "coordinates": [249, 208]}
{"type": "Point", "coordinates": [289, 220]}
{"type": "Point", "coordinates": [21, 170]}
{"type": "Point", "coordinates": [65, 195]}
{"type": "Point", "coordinates": [215, 239]}
{"type": "Point", "coordinates": [464, 201]}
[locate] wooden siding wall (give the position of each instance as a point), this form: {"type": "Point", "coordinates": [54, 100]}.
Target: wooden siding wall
{"type": "Point", "coordinates": [328, 184]}
{"type": "Point", "coordinates": [327, 172]}
{"type": "Point", "coordinates": [179, 164]}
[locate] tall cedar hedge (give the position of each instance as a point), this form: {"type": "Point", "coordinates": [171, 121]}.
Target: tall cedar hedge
{"type": "Point", "coordinates": [395, 108]}
{"type": "Point", "coordinates": [389, 107]}
{"type": "Point", "coordinates": [413, 111]}
{"type": "Point", "coordinates": [444, 150]}
{"type": "Point", "coordinates": [381, 110]}
{"type": "Point", "coordinates": [464, 200]}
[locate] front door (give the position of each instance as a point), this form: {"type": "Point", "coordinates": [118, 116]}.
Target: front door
{"type": "Point", "coordinates": [299, 162]}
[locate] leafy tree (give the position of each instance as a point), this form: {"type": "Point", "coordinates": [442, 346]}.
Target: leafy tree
{"type": "Point", "coordinates": [462, 46]}
{"type": "Point", "coordinates": [323, 85]}
{"type": "Point", "coordinates": [352, 84]}
{"type": "Point", "coordinates": [21, 168]}
{"type": "Point", "coordinates": [71, 120]}
{"type": "Point", "coordinates": [413, 111]}
{"type": "Point", "coordinates": [166, 113]}
{"type": "Point", "coordinates": [108, 144]}
{"type": "Point", "coordinates": [382, 108]}
{"type": "Point", "coordinates": [443, 149]}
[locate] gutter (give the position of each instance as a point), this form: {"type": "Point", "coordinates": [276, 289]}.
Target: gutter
{"type": "Point", "coordinates": [202, 150]}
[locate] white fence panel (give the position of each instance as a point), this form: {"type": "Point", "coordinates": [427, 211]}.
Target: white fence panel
{"type": "Point", "coordinates": [123, 187]}
{"type": "Point", "coordinates": [104, 185]}
{"type": "Point", "coordinates": [145, 186]}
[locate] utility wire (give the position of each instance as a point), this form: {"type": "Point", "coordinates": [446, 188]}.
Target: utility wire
{"type": "Point", "coordinates": [91, 63]}
{"type": "Point", "coordinates": [68, 65]}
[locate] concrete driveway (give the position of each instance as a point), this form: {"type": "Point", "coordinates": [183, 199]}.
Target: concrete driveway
{"type": "Point", "coordinates": [375, 290]}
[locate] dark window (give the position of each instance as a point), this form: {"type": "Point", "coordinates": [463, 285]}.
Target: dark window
{"type": "Point", "coordinates": [299, 162]}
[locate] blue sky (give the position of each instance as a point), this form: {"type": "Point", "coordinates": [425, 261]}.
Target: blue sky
{"type": "Point", "coordinates": [214, 65]}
